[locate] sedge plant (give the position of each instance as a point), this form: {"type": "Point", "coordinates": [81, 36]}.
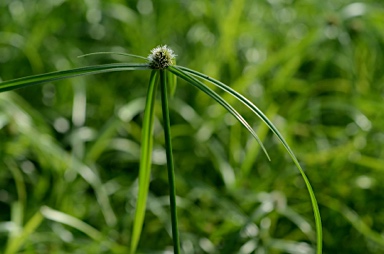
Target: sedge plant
{"type": "Point", "coordinates": [164, 72]}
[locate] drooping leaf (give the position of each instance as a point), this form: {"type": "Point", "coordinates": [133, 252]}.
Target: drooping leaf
{"type": "Point", "coordinates": [114, 53]}
{"type": "Point", "coordinates": [197, 83]}
{"type": "Point", "coordinates": [272, 127]}
{"type": "Point", "coordinates": [15, 243]}
{"type": "Point", "coordinates": [58, 75]}
{"type": "Point", "coordinates": [69, 220]}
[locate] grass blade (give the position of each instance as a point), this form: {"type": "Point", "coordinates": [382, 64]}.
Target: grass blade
{"type": "Point", "coordinates": [44, 146]}
{"type": "Point", "coordinates": [145, 161]}
{"type": "Point", "coordinates": [58, 75]}
{"type": "Point", "coordinates": [272, 127]}
{"type": "Point", "coordinates": [14, 245]}
{"type": "Point", "coordinates": [71, 221]}
{"type": "Point", "coordinates": [197, 83]}
{"type": "Point", "coordinates": [356, 221]}
{"type": "Point", "coordinates": [113, 53]}
{"type": "Point", "coordinates": [19, 181]}
{"type": "Point", "coordinates": [80, 225]}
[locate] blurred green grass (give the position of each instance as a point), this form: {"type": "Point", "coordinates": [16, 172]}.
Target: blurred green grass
{"type": "Point", "coordinates": [314, 67]}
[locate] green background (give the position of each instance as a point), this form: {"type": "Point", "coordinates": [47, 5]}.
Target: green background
{"type": "Point", "coordinates": [315, 68]}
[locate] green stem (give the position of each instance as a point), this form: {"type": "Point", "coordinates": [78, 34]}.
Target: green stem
{"type": "Point", "coordinates": [171, 170]}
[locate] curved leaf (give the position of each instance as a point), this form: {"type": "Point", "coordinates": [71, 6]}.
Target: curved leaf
{"type": "Point", "coordinates": [272, 127]}
{"type": "Point", "coordinates": [57, 75]}
{"type": "Point", "coordinates": [114, 53]}
{"type": "Point", "coordinates": [216, 97]}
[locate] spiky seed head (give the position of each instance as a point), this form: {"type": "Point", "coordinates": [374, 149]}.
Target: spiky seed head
{"type": "Point", "coordinates": [161, 57]}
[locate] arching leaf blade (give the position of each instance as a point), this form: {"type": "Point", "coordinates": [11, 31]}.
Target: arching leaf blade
{"type": "Point", "coordinates": [198, 84]}
{"type": "Point", "coordinates": [29, 228]}
{"type": "Point", "coordinates": [272, 127]}
{"type": "Point", "coordinates": [58, 75]}
{"type": "Point", "coordinates": [71, 221]}
{"type": "Point", "coordinates": [114, 53]}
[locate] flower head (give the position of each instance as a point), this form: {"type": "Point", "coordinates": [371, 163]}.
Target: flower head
{"type": "Point", "coordinates": [161, 57]}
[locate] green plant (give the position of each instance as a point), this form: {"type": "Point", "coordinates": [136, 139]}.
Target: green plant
{"type": "Point", "coordinates": [164, 72]}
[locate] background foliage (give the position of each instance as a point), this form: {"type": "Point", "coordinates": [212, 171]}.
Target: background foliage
{"type": "Point", "coordinates": [70, 149]}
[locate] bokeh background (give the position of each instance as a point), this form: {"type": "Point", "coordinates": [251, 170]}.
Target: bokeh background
{"type": "Point", "coordinates": [69, 152]}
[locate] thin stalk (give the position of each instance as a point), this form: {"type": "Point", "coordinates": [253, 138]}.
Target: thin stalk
{"type": "Point", "coordinates": [170, 166]}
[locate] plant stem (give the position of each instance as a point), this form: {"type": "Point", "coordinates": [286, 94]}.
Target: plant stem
{"type": "Point", "coordinates": [170, 166]}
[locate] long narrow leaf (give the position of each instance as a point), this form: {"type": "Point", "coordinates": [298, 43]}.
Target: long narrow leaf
{"type": "Point", "coordinates": [15, 244]}
{"type": "Point", "coordinates": [356, 221]}
{"type": "Point", "coordinates": [195, 82]}
{"type": "Point", "coordinates": [69, 220]}
{"type": "Point", "coordinates": [114, 53]}
{"type": "Point", "coordinates": [57, 75]}
{"type": "Point", "coordinates": [261, 115]}
{"type": "Point", "coordinates": [80, 225]}
{"type": "Point", "coordinates": [145, 161]}
{"type": "Point", "coordinates": [45, 147]}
